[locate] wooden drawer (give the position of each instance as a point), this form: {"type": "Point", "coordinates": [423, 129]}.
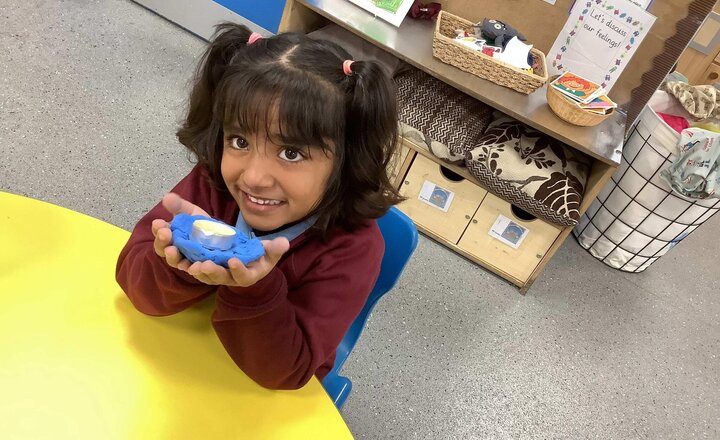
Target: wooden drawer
{"type": "Point", "coordinates": [460, 198]}
{"type": "Point", "coordinates": [518, 263]}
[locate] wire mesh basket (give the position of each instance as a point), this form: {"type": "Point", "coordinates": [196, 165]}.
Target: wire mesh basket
{"type": "Point", "coordinates": [637, 218]}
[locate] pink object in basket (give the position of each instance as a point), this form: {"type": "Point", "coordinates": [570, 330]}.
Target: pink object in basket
{"type": "Point", "coordinates": [490, 50]}
{"type": "Point", "coordinates": [677, 123]}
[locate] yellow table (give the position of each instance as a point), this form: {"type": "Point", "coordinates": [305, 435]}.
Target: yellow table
{"type": "Point", "coordinates": [77, 361]}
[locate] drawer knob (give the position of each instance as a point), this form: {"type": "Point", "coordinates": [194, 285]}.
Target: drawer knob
{"type": "Point", "coordinates": [407, 182]}
{"type": "Point", "coordinates": [467, 217]}
{"type": "Point", "coordinates": [474, 221]}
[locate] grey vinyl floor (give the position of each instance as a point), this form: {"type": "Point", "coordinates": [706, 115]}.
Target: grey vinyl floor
{"type": "Point", "coordinates": [90, 95]}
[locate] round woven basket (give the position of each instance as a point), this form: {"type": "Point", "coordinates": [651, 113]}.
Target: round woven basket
{"type": "Point", "coordinates": [568, 111]}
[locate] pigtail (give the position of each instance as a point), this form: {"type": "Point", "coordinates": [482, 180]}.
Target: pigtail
{"type": "Point", "coordinates": [201, 131]}
{"type": "Point", "coordinates": [371, 139]}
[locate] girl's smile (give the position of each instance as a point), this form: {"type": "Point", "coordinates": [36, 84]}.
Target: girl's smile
{"type": "Point", "coordinates": [262, 202]}
{"type": "Point", "coordinates": [258, 204]}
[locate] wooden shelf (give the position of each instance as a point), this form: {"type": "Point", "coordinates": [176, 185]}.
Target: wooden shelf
{"type": "Point", "coordinates": [412, 43]}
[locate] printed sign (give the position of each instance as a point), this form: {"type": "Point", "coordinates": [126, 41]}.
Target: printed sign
{"type": "Point", "coordinates": [436, 196]}
{"type": "Point", "coordinates": [508, 232]}
{"type": "Point", "coordinates": [599, 39]}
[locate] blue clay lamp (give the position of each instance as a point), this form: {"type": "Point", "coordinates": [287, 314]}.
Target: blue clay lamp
{"type": "Point", "coordinates": [201, 238]}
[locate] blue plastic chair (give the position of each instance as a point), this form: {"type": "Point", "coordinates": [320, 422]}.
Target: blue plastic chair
{"type": "Point", "coordinates": [401, 239]}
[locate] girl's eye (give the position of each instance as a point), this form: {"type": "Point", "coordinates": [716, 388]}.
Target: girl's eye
{"type": "Point", "coordinates": [238, 143]}
{"type": "Point", "coordinates": [290, 155]}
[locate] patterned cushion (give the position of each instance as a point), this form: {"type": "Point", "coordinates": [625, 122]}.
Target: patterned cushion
{"type": "Point", "coordinates": [531, 170]}
{"type": "Point", "coordinates": [453, 120]}
{"type": "Point", "coordinates": [441, 151]}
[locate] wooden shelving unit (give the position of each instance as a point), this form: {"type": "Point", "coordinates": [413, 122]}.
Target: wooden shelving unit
{"type": "Point", "coordinates": [412, 43]}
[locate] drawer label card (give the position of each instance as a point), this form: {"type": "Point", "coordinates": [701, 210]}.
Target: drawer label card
{"type": "Point", "coordinates": [436, 196]}
{"type": "Point", "coordinates": [508, 232]}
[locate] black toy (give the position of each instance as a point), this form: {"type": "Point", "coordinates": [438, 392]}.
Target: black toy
{"type": "Point", "coordinates": [497, 33]}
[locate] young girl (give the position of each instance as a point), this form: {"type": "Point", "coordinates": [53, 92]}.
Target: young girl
{"type": "Point", "coordinates": [292, 141]}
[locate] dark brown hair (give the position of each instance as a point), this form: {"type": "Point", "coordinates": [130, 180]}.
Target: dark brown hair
{"type": "Point", "coordinates": [299, 82]}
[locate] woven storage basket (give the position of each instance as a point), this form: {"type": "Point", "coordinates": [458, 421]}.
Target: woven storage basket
{"type": "Point", "coordinates": [449, 51]}
{"type": "Point", "coordinates": [567, 111]}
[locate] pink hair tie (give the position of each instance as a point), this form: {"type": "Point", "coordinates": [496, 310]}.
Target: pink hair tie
{"type": "Point", "coordinates": [253, 38]}
{"type": "Point", "coordinates": [347, 67]}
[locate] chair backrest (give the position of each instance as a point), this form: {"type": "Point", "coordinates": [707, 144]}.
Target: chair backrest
{"type": "Point", "coordinates": [401, 237]}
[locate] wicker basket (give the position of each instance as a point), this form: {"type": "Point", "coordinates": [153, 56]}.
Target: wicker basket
{"type": "Point", "coordinates": [449, 51]}
{"type": "Point", "coordinates": [568, 111]}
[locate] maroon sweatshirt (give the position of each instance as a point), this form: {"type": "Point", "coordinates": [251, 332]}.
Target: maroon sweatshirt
{"type": "Point", "coordinates": [286, 327]}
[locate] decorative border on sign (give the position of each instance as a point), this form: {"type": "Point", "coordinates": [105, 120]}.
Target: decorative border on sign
{"type": "Point", "coordinates": [557, 61]}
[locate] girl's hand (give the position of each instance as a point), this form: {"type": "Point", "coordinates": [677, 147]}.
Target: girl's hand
{"type": "Point", "coordinates": [207, 271]}
{"type": "Point", "coordinates": [163, 235]}
{"type": "Point", "coordinates": [238, 274]}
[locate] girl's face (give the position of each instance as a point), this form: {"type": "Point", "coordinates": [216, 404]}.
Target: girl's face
{"type": "Point", "coordinates": [273, 184]}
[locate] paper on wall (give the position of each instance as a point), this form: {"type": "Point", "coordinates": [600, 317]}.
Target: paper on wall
{"type": "Point", "coordinates": [394, 18]}
{"type": "Point", "coordinates": [599, 39]}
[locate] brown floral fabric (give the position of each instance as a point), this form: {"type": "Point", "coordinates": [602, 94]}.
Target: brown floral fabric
{"type": "Point", "coordinates": [530, 170]}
